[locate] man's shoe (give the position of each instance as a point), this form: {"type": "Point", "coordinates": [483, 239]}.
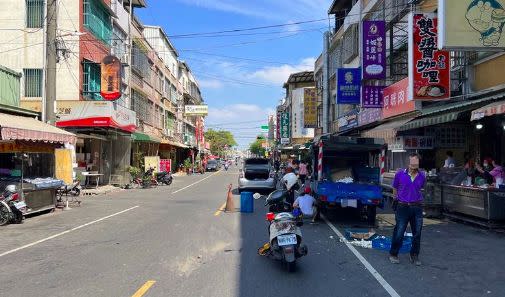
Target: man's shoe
{"type": "Point", "coordinates": [394, 259]}
{"type": "Point", "coordinates": [414, 259]}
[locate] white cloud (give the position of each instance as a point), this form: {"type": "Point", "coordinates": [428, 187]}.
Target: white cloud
{"type": "Point", "coordinates": [242, 120]}
{"type": "Point", "coordinates": [280, 74]}
{"type": "Point", "coordinates": [210, 83]}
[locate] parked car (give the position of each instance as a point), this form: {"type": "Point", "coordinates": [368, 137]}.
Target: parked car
{"type": "Point", "coordinates": [257, 174]}
{"type": "Point", "coordinates": [212, 165]}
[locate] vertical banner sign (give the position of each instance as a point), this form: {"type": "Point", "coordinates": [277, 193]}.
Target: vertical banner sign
{"type": "Point", "coordinates": [309, 108]}
{"type": "Point", "coordinates": [429, 73]}
{"type": "Point", "coordinates": [110, 85]}
{"type": "Point", "coordinates": [278, 127]}
{"type": "Point", "coordinates": [374, 50]}
{"type": "Point", "coordinates": [372, 97]}
{"type": "Point", "coordinates": [285, 128]}
{"type": "Point", "coordinates": [348, 85]}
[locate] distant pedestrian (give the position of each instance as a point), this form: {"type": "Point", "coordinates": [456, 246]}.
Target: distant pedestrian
{"type": "Point", "coordinates": [302, 171]}
{"type": "Point", "coordinates": [408, 199]}
{"type": "Point", "coordinates": [449, 161]}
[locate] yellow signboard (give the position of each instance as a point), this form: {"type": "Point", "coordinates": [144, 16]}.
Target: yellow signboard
{"type": "Point", "coordinates": [309, 108]}
{"type": "Point", "coordinates": [63, 165]}
{"type": "Point", "coordinates": [152, 161]}
{"type": "Point", "coordinates": [471, 24]}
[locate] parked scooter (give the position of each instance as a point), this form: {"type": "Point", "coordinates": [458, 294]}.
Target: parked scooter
{"type": "Point", "coordinates": [12, 209]}
{"type": "Point", "coordinates": [226, 165]}
{"type": "Point", "coordinates": [285, 239]}
{"type": "Point", "coordinates": [277, 201]}
{"type": "Point", "coordinates": [149, 180]}
{"type": "Point", "coordinates": [165, 178]}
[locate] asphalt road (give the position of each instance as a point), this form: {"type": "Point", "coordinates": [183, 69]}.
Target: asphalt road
{"type": "Point", "coordinates": [174, 241]}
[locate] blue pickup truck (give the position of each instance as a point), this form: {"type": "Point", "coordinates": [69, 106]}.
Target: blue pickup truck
{"type": "Point", "coordinates": [350, 176]}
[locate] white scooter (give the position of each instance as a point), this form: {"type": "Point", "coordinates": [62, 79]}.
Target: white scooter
{"type": "Point", "coordinates": [12, 209]}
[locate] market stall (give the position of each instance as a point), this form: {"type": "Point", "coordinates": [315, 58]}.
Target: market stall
{"type": "Point", "coordinates": [27, 159]}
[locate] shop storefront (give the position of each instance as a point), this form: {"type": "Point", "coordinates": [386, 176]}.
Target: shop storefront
{"type": "Point", "coordinates": [103, 130]}
{"type": "Point", "coordinates": [27, 159]}
{"type": "Point", "coordinates": [171, 150]}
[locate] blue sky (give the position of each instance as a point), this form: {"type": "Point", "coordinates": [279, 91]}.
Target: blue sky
{"type": "Point", "coordinates": [241, 77]}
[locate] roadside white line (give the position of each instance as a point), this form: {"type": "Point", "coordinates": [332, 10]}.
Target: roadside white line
{"type": "Point", "coordinates": [362, 259]}
{"type": "Point", "coordinates": [65, 232]}
{"type": "Point", "coordinates": [199, 181]}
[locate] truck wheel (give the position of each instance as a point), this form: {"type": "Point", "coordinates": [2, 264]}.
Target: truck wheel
{"type": "Point", "coordinates": [371, 212]}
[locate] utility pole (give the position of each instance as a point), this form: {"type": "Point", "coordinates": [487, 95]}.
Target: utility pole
{"type": "Point", "coordinates": [49, 99]}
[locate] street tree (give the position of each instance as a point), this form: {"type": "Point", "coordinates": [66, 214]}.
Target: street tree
{"type": "Point", "coordinates": [220, 141]}
{"type": "Point", "coordinates": [257, 148]}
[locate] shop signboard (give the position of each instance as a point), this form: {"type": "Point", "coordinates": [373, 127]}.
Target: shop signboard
{"type": "Point", "coordinates": [412, 143]}
{"type": "Point", "coordinates": [348, 85]}
{"type": "Point", "coordinates": [348, 121]}
{"type": "Point", "coordinates": [152, 162]}
{"type": "Point", "coordinates": [372, 97]}
{"type": "Point", "coordinates": [471, 24]}
{"type": "Point", "coordinates": [196, 110]}
{"type": "Point", "coordinates": [429, 73]}
{"type": "Point", "coordinates": [97, 114]}
{"type": "Point", "coordinates": [285, 125]}
{"type": "Point", "coordinates": [369, 115]}
{"type": "Point", "coordinates": [397, 100]}
{"type": "Point", "coordinates": [374, 50]}
{"type": "Point", "coordinates": [110, 84]}
{"type": "Point", "coordinates": [277, 127]}
{"type": "Point", "coordinates": [165, 165]}
{"type": "Point", "coordinates": [309, 108]}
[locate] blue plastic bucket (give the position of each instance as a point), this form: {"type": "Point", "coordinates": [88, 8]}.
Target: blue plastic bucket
{"type": "Point", "coordinates": [246, 202]}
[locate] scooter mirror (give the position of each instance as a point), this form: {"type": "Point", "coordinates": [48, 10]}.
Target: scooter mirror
{"type": "Point", "coordinates": [256, 196]}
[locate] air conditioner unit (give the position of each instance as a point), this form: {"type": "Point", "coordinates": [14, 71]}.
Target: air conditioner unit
{"type": "Point", "coordinates": [137, 122]}
{"type": "Point", "coordinates": [124, 59]}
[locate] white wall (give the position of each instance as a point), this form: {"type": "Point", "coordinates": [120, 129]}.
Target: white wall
{"type": "Point", "coordinates": [156, 38]}
{"type": "Point", "coordinates": [297, 123]}
{"type": "Point", "coordinates": [23, 48]}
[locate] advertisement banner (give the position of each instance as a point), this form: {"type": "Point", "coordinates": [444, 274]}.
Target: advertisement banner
{"type": "Point", "coordinates": [471, 24]}
{"type": "Point", "coordinates": [397, 99]}
{"type": "Point", "coordinates": [110, 84]}
{"type": "Point", "coordinates": [165, 165]}
{"type": "Point", "coordinates": [278, 127]}
{"type": "Point", "coordinates": [309, 108]}
{"type": "Point", "coordinates": [201, 110]}
{"type": "Point", "coordinates": [348, 121]}
{"type": "Point", "coordinates": [285, 125]}
{"type": "Point", "coordinates": [412, 143]}
{"type": "Point", "coordinates": [369, 115]}
{"type": "Point", "coordinates": [429, 73]}
{"type": "Point", "coordinates": [97, 114]}
{"type": "Point", "coordinates": [374, 50]}
{"type": "Point", "coordinates": [348, 85]}
{"type": "Point", "coordinates": [372, 97]}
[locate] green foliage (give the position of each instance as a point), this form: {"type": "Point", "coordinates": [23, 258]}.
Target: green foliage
{"type": "Point", "coordinates": [256, 148]}
{"type": "Point", "coordinates": [187, 163]}
{"type": "Point", "coordinates": [134, 171]}
{"type": "Point", "coordinates": [219, 140]}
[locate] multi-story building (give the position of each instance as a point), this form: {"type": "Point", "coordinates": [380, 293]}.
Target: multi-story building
{"type": "Point", "coordinates": [111, 135]}
{"type": "Point", "coordinates": [428, 126]}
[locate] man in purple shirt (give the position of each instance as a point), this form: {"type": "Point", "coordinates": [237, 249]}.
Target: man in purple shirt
{"type": "Point", "coordinates": [407, 186]}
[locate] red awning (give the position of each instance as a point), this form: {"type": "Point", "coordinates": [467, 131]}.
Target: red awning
{"type": "Point", "coordinates": [25, 128]}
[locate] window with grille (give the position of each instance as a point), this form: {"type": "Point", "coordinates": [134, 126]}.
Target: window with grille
{"type": "Point", "coordinates": [140, 62]}
{"type": "Point", "coordinates": [34, 13]}
{"type": "Point", "coordinates": [33, 82]}
{"type": "Point", "coordinates": [97, 20]}
{"type": "Point", "coordinates": [140, 106]}
{"type": "Point", "coordinates": [91, 81]}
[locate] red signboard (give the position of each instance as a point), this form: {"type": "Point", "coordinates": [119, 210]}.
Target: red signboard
{"type": "Point", "coordinates": [397, 99]}
{"type": "Point", "coordinates": [165, 165]}
{"type": "Point", "coordinates": [429, 72]}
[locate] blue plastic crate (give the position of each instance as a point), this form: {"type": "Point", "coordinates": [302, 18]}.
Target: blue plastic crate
{"type": "Point", "coordinates": [384, 243]}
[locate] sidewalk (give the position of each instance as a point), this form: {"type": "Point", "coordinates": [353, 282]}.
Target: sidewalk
{"type": "Point", "coordinates": [101, 190]}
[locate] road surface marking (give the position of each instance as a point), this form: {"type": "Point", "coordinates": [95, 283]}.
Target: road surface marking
{"type": "Point", "coordinates": [220, 210]}
{"type": "Point", "coordinates": [199, 181]}
{"type": "Point", "coordinates": [362, 259]}
{"type": "Point", "coordinates": [144, 289]}
{"type": "Point", "coordinates": [65, 232]}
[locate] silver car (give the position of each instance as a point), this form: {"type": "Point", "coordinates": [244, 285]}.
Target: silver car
{"type": "Point", "coordinates": [257, 174]}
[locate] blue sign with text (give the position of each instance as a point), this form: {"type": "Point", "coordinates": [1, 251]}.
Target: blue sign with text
{"type": "Point", "coordinates": [348, 85]}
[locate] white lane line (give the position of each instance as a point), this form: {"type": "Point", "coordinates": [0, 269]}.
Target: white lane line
{"type": "Point", "coordinates": [362, 259]}
{"type": "Point", "coordinates": [65, 232]}
{"type": "Point", "coordinates": [199, 181]}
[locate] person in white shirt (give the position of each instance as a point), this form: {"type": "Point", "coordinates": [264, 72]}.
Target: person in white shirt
{"type": "Point", "coordinates": [449, 162]}
{"type": "Point", "coordinates": [307, 204]}
{"type": "Point", "coordinates": [290, 180]}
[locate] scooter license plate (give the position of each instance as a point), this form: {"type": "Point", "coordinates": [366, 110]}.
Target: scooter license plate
{"type": "Point", "coordinates": [20, 205]}
{"type": "Point", "coordinates": [288, 239]}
